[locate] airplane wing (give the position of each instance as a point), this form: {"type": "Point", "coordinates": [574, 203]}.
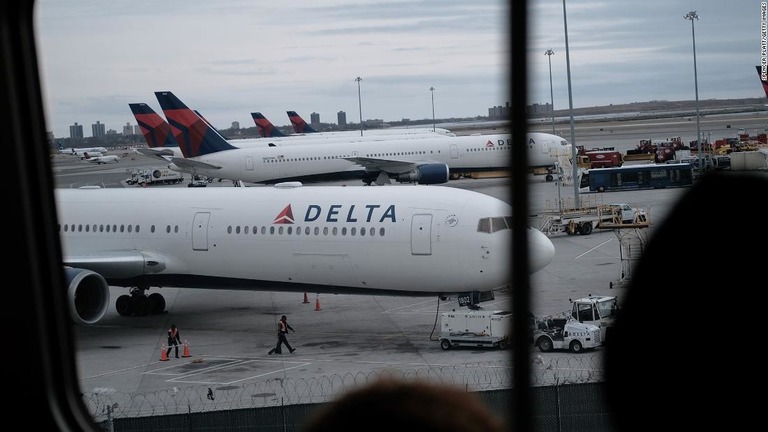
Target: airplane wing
{"type": "Point", "coordinates": [158, 151]}
{"type": "Point", "coordinates": [392, 166]}
{"type": "Point", "coordinates": [185, 163]}
{"type": "Point", "coordinates": [118, 263]}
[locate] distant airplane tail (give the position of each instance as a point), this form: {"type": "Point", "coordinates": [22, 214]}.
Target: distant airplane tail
{"type": "Point", "coordinates": [155, 129]}
{"type": "Point", "coordinates": [299, 125]}
{"type": "Point", "coordinates": [266, 128]}
{"type": "Point", "coordinates": [765, 82]}
{"type": "Point", "coordinates": [195, 136]}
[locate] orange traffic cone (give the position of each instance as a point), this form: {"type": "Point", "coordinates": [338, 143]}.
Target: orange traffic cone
{"type": "Point", "coordinates": [305, 298]}
{"type": "Point", "coordinates": [186, 350]}
{"type": "Point", "coordinates": [163, 353]}
{"type": "Point", "coordinates": [317, 303]}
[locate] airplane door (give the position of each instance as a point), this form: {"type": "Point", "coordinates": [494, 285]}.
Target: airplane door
{"type": "Point", "coordinates": [200, 231]}
{"type": "Point", "coordinates": [249, 163]}
{"type": "Point", "coordinates": [421, 234]}
{"type": "Point", "coordinates": [454, 151]}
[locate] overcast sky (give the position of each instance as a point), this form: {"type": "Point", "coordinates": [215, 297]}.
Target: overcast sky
{"type": "Point", "coordinates": [230, 58]}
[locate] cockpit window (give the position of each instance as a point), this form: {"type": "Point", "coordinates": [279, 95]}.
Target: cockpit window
{"type": "Point", "coordinates": [493, 224]}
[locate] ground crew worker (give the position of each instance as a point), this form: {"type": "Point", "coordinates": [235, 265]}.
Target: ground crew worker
{"type": "Point", "coordinates": [174, 339]}
{"type": "Point", "coordinates": [282, 330]}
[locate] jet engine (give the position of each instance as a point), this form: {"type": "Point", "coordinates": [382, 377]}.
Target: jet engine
{"type": "Point", "coordinates": [87, 295]}
{"type": "Point", "coordinates": [426, 174]}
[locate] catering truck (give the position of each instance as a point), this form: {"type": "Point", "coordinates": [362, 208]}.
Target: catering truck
{"type": "Point", "coordinates": [476, 328]}
{"type": "Point", "coordinates": [153, 176]}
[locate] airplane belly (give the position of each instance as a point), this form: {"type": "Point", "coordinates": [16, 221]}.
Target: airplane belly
{"type": "Point", "coordinates": [325, 269]}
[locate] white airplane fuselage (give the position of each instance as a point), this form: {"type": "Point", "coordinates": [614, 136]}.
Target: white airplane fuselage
{"type": "Point", "coordinates": [346, 160]}
{"type": "Point", "coordinates": [401, 240]}
{"type": "Point", "coordinates": [340, 239]}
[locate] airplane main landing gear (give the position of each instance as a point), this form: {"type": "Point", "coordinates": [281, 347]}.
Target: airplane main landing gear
{"type": "Point", "coordinates": [138, 303]}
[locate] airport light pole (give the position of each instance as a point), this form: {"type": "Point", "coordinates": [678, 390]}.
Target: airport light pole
{"type": "Point", "coordinates": [432, 89]}
{"type": "Point", "coordinates": [360, 104]}
{"type": "Point", "coordinates": [570, 109]}
{"type": "Point", "coordinates": [549, 54]}
{"type": "Point", "coordinates": [691, 16]}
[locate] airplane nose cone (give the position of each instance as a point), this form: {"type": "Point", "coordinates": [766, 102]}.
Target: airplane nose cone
{"type": "Point", "coordinates": [542, 251]}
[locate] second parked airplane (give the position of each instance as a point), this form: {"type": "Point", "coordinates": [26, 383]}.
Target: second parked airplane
{"type": "Point", "coordinates": [424, 161]}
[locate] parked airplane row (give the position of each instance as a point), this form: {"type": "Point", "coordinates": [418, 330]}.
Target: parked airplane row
{"type": "Point", "coordinates": [417, 158]}
{"type": "Point", "coordinates": [400, 240]}
{"type": "Point", "coordinates": [408, 240]}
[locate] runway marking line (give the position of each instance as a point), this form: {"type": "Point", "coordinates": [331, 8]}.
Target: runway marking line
{"type": "Point", "coordinates": [592, 249]}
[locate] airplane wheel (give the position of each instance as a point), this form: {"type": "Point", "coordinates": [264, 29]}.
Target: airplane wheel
{"type": "Point", "coordinates": [140, 304]}
{"type": "Point", "coordinates": [123, 305]}
{"type": "Point", "coordinates": [156, 303]}
{"type": "Point", "coordinates": [445, 344]}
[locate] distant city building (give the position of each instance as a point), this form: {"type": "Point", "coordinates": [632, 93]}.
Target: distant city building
{"type": "Point", "coordinates": [136, 130]}
{"type": "Point", "coordinates": [98, 129]}
{"type": "Point", "coordinates": [341, 118]}
{"type": "Point", "coordinates": [76, 131]}
{"type": "Point", "coordinates": [498, 112]}
{"type": "Point", "coordinates": [374, 122]}
{"type": "Point", "coordinates": [539, 109]}
{"type": "Point", "coordinates": [405, 120]}
{"type": "Point", "coordinates": [111, 132]}
{"type": "Point", "coordinates": [127, 129]}
{"type": "Point", "coordinates": [235, 125]}
{"type": "Point", "coordinates": [314, 118]}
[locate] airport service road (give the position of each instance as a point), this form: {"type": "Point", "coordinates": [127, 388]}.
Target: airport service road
{"type": "Point", "coordinates": [625, 135]}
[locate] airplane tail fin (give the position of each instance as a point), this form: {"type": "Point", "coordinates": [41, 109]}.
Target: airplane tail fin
{"type": "Point", "coordinates": [195, 136]}
{"type": "Point", "coordinates": [155, 129]}
{"type": "Point", "coordinates": [266, 128]}
{"type": "Point", "coordinates": [764, 81]}
{"type": "Point", "coordinates": [299, 125]}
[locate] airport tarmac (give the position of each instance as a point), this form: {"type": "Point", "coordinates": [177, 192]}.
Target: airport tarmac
{"type": "Point", "coordinates": [230, 332]}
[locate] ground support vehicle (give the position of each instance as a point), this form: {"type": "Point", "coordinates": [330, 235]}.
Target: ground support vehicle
{"type": "Point", "coordinates": [153, 176]}
{"type": "Point", "coordinates": [583, 220]}
{"type": "Point", "coordinates": [476, 328]}
{"type": "Point", "coordinates": [599, 311]}
{"type": "Point", "coordinates": [565, 334]}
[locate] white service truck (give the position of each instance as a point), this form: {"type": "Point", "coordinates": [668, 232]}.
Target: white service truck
{"type": "Point", "coordinates": [600, 311]}
{"type": "Point", "coordinates": [565, 334]}
{"type": "Point", "coordinates": [152, 176]}
{"type": "Point", "coordinates": [476, 328]}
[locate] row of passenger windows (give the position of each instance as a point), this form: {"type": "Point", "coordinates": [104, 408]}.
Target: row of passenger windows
{"type": "Point", "coordinates": [476, 149]}
{"type": "Point", "coordinates": [289, 230]}
{"type": "Point", "coordinates": [112, 228]}
{"type": "Point", "coordinates": [276, 160]}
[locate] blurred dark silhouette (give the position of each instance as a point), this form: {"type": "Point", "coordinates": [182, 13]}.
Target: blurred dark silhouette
{"type": "Point", "coordinates": [686, 349]}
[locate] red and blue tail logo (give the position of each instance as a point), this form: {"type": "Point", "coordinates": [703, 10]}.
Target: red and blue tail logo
{"type": "Point", "coordinates": [193, 133]}
{"type": "Point", "coordinates": [298, 123]}
{"type": "Point", "coordinates": [155, 129]}
{"type": "Point", "coordinates": [285, 216]}
{"type": "Point", "coordinates": [764, 81]}
{"type": "Point", "coordinates": [265, 127]}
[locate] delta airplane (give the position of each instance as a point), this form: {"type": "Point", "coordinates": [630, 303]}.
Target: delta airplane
{"type": "Point", "coordinates": [424, 161]}
{"type": "Point", "coordinates": [157, 132]}
{"type": "Point", "coordinates": [100, 159]}
{"type": "Point", "coordinates": [301, 128]}
{"type": "Point", "coordinates": [265, 127]}
{"type": "Point", "coordinates": [762, 81]}
{"type": "Point", "coordinates": [80, 151]}
{"type": "Point", "coordinates": [406, 240]}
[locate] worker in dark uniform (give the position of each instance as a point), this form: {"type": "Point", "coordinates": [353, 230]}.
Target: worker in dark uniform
{"type": "Point", "coordinates": [174, 339]}
{"type": "Point", "coordinates": [282, 330]}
